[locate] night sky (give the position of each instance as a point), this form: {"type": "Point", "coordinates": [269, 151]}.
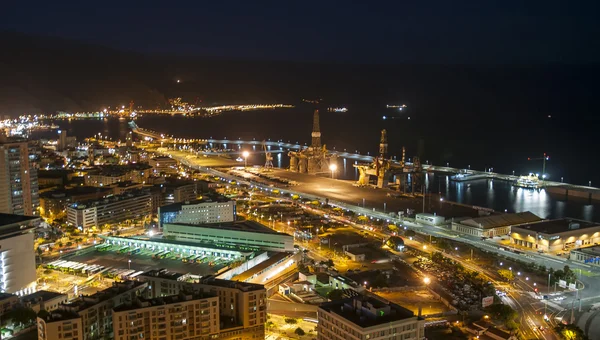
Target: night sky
{"type": "Point", "coordinates": [359, 32]}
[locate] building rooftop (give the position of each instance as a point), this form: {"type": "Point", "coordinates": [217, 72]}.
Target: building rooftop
{"type": "Point", "coordinates": [558, 226]}
{"type": "Point", "coordinates": [242, 226]}
{"type": "Point", "coordinates": [594, 251]}
{"type": "Point", "coordinates": [272, 260]}
{"type": "Point", "coordinates": [110, 199]}
{"type": "Point", "coordinates": [366, 311]}
{"type": "Point", "coordinates": [175, 207]}
{"type": "Point", "coordinates": [42, 295]}
{"type": "Point", "coordinates": [119, 170]}
{"type": "Point", "coordinates": [243, 286]}
{"type": "Point", "coordinates": [15, 224]}
{"type": "Point", "coordinates": [498, 332]}
{"type": "Point", "coordinates": [84, 302]}
{"type": "Point", "coordinates": [78, 190]}
{"type": "Point", "coordinates": [163, 159]}
{"type": "Point", "coordinates": [502, 220]}
{"type": "Point", "coordinates": [164, 300]}
{"type": "Point", "coordinates": [164, 274]}
{"type": "Point", "coordinates": [55, 173]}
{"type": "Point", "coordinates": [4, 296]}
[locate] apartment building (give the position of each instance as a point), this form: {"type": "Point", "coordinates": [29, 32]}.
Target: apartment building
{"type": "Point", "coordinates": [182, 316]}
{"type": "Point", "coordinates": [242, 306]}
{"type": "Point", "coordinates": [88, 317]}
{"type": "Point", "coordinates": [366, 317]}
{"type": "Point", "coordinates": [19, 192]}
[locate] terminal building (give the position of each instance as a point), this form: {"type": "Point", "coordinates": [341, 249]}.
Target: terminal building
{"type": "Point", "coordinates": [203, 211]}
{"type": "Point", "coordinates": [113, 209]}
{"type": "Point", "coordinates": [17, 257]}
{"type": "Point", "coordinates": [556, 235]}
{"type": "Point", "coordinates": [366, 317]}
{"type": "Point", "coordinates": [240, 233]}
{"type": "Point", "coordinates": [494, 225]}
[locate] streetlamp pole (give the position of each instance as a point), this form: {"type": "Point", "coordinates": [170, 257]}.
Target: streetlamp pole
{"type": "Point", "coordinates": [245, 154]}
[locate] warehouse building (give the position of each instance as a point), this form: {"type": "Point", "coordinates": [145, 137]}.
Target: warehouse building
{"type": "Point", "coordinates": [494, 225]}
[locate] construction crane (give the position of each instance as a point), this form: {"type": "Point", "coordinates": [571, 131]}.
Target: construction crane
{"type": "Point", "coordinates": [268, 157]}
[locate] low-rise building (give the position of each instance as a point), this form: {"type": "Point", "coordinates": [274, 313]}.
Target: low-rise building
{"type": "Point", "coordinates": [112, 174]}
{"type": "Point", "coordinates": [88, 317]}
{"type": "Point", "coordinates": [499, 334]}
{"type": "Point", "coordinates": [182, 316]}
{"type": "Point", "coordinates": [364, 317]}
{"type": "Point", "coordinates": [17, 257]}
{"type": "Point", "coordinates": [54, 203]}
{"type": "Point", "coordinates": [44, 300]}
{"type": "Point", "coordinates": [113, 209]}
{"type": "Point", "coordinates": [431, 219]}
{"type": "Point", "coordinates": [590, 255]}
{"type": "Point", "coordinates": [556, 235]}
{"type": "Point", "coordinates": [356, 254]}
{"type": "Point", "coordinates": [7, 303]}
{"type": "Point", "coordinates": [494, 225]}
{"type": "Point", "coordinates": [163, 165]}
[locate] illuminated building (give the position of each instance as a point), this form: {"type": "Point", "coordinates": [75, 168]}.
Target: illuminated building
{"type": "Point", "coordinates": [365, 317]}
{"type": "Point", "coordinates": [17, 258]}
{"type": "Point", "coordinates": [556, 235]}
{"type": "Point", "coordinates": [201, 211]}
{"type": "Point", "coordinates": [19, 192]}
{"type": "Point", "coordinates": [494, 225]}
{"type": "Point", "coordinates": [163, 165]}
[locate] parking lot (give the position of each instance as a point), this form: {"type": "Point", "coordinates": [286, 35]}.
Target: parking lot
{"type": "Point", "coordinates": [146, 259]}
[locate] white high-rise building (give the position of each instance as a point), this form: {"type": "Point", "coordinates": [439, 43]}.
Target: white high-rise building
{"type": "Point", "coordinates": [17, 257]}
{"type": "Point", "coordinates": [202, 211]}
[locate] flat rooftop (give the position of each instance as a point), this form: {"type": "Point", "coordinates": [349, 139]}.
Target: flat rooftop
{"type": "Point", "coordinates": [365, 311]}
{"type": "Point", "coordinates": [175, 207]}
{"type": "Point", "coordinates": [502, 220]}
{"type": "Point", "coordinates": [594, 251]}
{"type": "Point", "coordinates": [163, 274]}
{"type": "Point", "coordinates": [79, 190]}
{"type": "Point", "coordinates": [44, 295]}
{"type": "Point", "coordinates": [110, 199]}
{"type": "Point", "coordinates": [162, 301]}
{"type": "Point", "coordinates": [88, 301]}
{"type": "Point", "coordinates": [244, 226]}
{"type": "Point", "coordinates": [557, 226]}
{"type": "Point", "coordinates": [272, 260]}
{"type": "Point", "coordinates": [8, 219]}
{"type": "Point", "coordinates": [243, 286]}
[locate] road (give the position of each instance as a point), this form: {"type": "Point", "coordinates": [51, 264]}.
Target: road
{"type": "Point", "coordinates": [344, 195]}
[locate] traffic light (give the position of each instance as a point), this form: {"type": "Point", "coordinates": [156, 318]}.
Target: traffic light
{"type": "Point", "coordinates": [536, 290]}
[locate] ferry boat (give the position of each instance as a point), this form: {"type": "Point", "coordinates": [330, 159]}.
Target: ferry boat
{"type": "Point", "coordinates": [530, 181]}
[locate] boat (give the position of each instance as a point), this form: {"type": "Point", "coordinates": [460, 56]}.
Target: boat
{"type": "Point", "coordinates": [530, 181]}
{"type": "Point", "coordinates": [337, 109]}
{"type": "Point", "coordinates": [239, 159]}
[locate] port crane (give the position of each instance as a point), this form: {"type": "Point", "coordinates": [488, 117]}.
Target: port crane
{"type": "Point", "coordinates": [544, 159]}
{"type": "Point", "coordinates": [268, 157]}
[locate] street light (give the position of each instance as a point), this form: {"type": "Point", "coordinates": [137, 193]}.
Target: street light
{"type": "Point", "coordinates": [245, 154]}
{"type": "Point", "coordinates": [427, 280]}
{"type": "Point", "coordinates": [332, 167]}
{"type": "Point", "coordinates": [129, 263]}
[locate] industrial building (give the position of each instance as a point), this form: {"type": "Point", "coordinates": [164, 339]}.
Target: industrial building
{"type": "Point", "coordinates": [203, 211]}
{"type": "Point", "coordinates": [182, 316]}
{"type": "Point", "coordinates": [431, 219]}
{"type": "Point", "coordinates": [113, 209]}
{"type": "Point", "coordinates": [494, 225]}
{"type": "Point", "coordinates": [88, 317]}
{"type": "Point", "coordinates": [366, 317]}
{"type": "Point", "coordinates": [556, 235]}
{"type": "Point", "coordinates": [242, 307]}
{"type": "Point", "coordinates": [17, 257]}
{"type": "Point", "coordinates": [241, 233]}
{"type": "Point", "coordinates": [19, 192]}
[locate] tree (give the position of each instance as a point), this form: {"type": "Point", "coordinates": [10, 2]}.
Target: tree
{"type": "Point", "coordinates": [363, 218]}
{"type": "Point", "coordinates": [299, 331]}
{"type": "Point", "coordinates": [291, 321]}
{"type": "Point", "coordinates": [39, 251]}
{"type": "Point", "coordinates": [410, 233]}
{"type": "Point", "coordinates": [59, 244]}
{"type": "Point", "coordinates": [270, 324]}
{"type": "Point", "coordinates": [69, 244]}
{"type": "Point", "coordinates": [336, 294]}
{"type": "Point", "coordinates": [21, 315]}
{"type": "Point", "coordinates": [503, 313]}
{"type": "Point", "coordinates": [506, 274]}
{"type": "Point", "coordinates": [570, 332]}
